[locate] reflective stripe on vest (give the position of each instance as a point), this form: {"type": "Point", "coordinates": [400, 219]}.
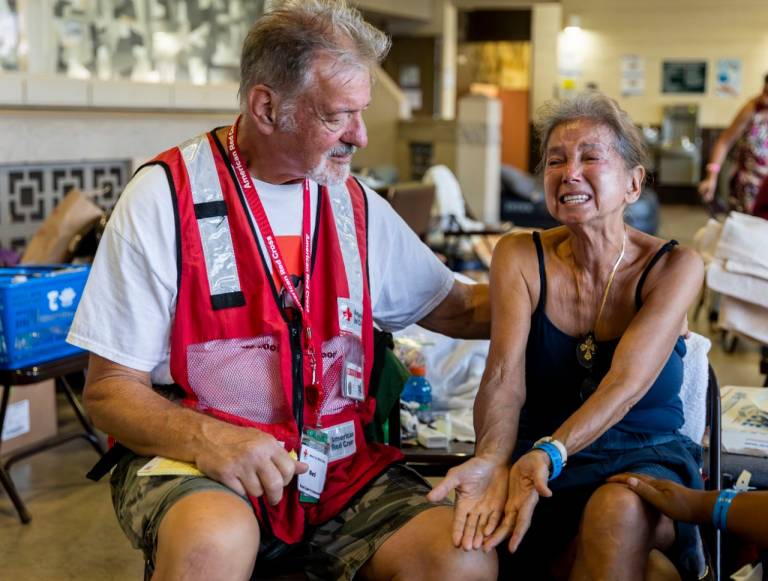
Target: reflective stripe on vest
{"type": "Point", "coordinates": [211, 214]}
{"type": "Point", "coordinates": [344, 218]}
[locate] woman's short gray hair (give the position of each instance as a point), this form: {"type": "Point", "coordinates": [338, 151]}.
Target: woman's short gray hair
{"type": "Point", "coordinates": [599, 108]}
{"type": "Point", "coordinates": [281, 46]}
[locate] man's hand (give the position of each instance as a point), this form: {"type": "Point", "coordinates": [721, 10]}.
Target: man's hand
{"type": "Point", "coordinates": [247, 460]}
{"type": "Point", "coordinates": [481, 488]}
{"type": "Point", "coordinates": [527, 481]}
{"type": "Point", "coordinates": [670, 498]}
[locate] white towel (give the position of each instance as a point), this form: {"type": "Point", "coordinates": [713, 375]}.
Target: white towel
{"type": "Point", "coordinates": [741, 286]}
{"type": "Point", "coordinates": [744, 238]}
{"type": "Point", "coordinates": [739, 267]}
{"type": "Point", "coordinates": [746, 318]}
{"type": "Point", "coordinates": [693, 392]}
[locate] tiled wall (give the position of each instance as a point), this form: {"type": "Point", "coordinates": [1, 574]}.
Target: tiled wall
{"type": "Point", "coordinates": [29, 192]}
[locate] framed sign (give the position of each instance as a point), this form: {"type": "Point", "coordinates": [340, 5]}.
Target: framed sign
{"type": "Point", "coordinates": [684, 77]}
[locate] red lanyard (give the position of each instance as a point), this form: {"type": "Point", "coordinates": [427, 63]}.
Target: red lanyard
{"type": "Point", "coordinates": [262, 222]}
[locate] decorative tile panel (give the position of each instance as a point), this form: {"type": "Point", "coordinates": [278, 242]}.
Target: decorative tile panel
{"type": "Point", "coordinates": [30, 192]}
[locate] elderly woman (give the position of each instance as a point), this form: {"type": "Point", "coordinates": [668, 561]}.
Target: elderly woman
{"type": "Point", "coordinates": [584, 371]}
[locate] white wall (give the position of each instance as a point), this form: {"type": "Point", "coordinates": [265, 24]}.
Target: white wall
{"type": "Point", "coordinates": [682, 29]}
{"type": "Point", "coordinates": [35, 135]}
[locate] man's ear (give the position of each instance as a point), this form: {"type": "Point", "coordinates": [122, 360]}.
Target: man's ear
{"type": "Point", "coordinates": [635, 188]}
{"type": "Point", "coordinates": [261, 108]}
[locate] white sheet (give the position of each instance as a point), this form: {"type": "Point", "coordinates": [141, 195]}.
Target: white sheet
{"type": "Point", "coordinates": [744, 239]}
{"type": "Point", "coordinates": [740, 286]}
{"type": "Point", "coordinates": [746, 318]}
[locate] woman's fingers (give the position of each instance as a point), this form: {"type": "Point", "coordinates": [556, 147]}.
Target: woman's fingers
{"type": "Point", "coordinates": [470, 527]}
{"type": "Point", "coordinates": [459, 521]}
{"type": "Point", "coordinates": [523, 521]}
{"type": "Point", "coordinates": [493, 522]}
{"type": "Point", "coordinates": [502, 530]}
{"type": "Point", "coordinates": [482, 522]}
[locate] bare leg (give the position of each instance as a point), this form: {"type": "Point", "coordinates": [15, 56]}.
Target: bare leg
{"type": "Point", "coordinates": [617, 532]}
{"type": "Point", "coordinates": [422, 550]}
{"type": "Point", "coordinates": [208, 536]}
{"type": "Point", "coordinates": [660, 568]}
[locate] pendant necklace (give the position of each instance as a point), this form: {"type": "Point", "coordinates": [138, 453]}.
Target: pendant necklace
{"type": "Point", "coordinates": [586, 348]}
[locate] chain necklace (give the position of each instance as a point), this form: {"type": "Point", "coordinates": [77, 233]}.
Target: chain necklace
{"type": "Point", "coordinates": [586, 347]}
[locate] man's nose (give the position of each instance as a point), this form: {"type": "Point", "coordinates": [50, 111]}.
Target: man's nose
{"type": "Point", "coordinates": [356, 132]}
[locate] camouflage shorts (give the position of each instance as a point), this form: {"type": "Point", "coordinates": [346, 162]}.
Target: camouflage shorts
{"type": "Point", "coordinates": [334, 550]}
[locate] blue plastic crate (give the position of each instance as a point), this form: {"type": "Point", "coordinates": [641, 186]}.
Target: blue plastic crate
{"type": "Point", "coordinates": [37, 305]}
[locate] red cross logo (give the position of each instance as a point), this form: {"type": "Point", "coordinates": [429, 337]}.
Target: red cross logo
{"type": "Point", "coordinates": [347, 314]}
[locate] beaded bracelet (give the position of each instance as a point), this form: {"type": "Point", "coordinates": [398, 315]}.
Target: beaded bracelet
{"type": "Point", "coordinates": [713, 167]}
{"type": "Point", "coordinates": [720, 510]}
{"type": "Point", "coordinates": [554, 456]}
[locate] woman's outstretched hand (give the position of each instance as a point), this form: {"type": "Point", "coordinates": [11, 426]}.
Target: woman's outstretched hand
{"type": "Point", "coordinates": [481, 489]}
{"type": "Point", "coordinates": [527, 481]}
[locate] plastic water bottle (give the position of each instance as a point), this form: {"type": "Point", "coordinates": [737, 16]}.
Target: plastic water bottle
{"type": "Point", "coordinates": [418, 389]}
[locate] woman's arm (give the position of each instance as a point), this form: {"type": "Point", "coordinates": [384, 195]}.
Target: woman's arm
{"type": "Point", "coordinates": [747, 514]}
{"type": "Point", "coordinates": [481, 482]}
{"type": "Point", "coordinates": [642, 351]}
{"type": "Point", "coordinates": [721, 148]}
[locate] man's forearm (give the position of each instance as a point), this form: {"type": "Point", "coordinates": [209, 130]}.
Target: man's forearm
{"type": "Point", "coordinates": [464, 314]}
{"type": "Point", "coordinates": [144, 421]}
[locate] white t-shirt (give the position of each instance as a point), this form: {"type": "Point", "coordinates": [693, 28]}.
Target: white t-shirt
{"type": "Point", "coordinates": [127, 308]}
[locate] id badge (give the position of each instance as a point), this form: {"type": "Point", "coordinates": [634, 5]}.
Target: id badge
{"type": "Point", "coordinates": [314, 453]}
{"type": "Point", "coordinates": [352, 382]}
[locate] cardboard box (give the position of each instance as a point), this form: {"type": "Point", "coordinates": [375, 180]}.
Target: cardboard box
{"type": "Point", "coordinates": [30, 417]}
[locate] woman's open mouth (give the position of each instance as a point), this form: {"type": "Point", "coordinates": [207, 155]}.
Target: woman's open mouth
{"type": "Point", "coordinates": [574, 199]}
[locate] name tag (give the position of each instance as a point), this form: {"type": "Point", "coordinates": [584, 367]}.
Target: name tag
{"type": "Point", "coordinates": [352, 382]}
{"type": "Point", "coordinates": [350, 317]}
{"type": "Point", "coordinates": [314, 453]}
{"type": "Point", "coordinates": [342, 441]}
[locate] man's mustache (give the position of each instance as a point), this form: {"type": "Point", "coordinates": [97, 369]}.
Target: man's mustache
{"type": "Point", "coordinates": [342, 150]}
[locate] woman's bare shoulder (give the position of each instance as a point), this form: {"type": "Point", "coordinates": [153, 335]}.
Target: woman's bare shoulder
{"type": "Point", "coordinates": [680, 265]}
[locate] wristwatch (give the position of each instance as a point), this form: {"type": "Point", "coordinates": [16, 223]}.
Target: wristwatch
{"type": "Point", "coordinates": [557, 443]}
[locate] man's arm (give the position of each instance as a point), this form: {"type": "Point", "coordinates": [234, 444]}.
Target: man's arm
{"type": "Point", "coordinates": [464, 313]}
{"type": "Point", "coordinates": [121, 401]}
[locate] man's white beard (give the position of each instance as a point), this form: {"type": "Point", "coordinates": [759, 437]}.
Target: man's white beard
{"type": "Point", "coordinates": [327, 173]}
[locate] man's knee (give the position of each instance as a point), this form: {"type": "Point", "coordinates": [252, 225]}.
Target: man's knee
{"type": "Point", "coordinates": [422, 549]}
{"type": "Point", "coordinates": [207, 535]}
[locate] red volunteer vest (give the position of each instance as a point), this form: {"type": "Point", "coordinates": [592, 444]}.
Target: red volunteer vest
{"type": "Point", "coordinates": [235, 352]}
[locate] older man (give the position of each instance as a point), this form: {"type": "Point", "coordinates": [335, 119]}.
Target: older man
{"type": "Point", "coordinates": [245, 269]}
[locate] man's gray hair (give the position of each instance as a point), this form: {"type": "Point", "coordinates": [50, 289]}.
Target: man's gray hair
{"type": "Point", "coordinates": [594, 106]}
{"type": "Point", "coordinates": [282, 45]}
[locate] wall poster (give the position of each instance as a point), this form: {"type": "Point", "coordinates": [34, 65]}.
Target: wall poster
{"type": "Point", "coordinates": [11, 41]}
{"type": "Point", "coordinates": [198, 41]}
{"type": "Point", "coordinates": [684, 76]}
{"type": "Point", "coordinates": [728, 78]}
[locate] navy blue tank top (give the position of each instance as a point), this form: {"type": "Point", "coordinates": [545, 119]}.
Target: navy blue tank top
{"type": "Point", "coordinates": [553, 376]}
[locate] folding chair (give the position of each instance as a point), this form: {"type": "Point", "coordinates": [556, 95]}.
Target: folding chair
{"type": "Point", "coordinates": [712, 468]}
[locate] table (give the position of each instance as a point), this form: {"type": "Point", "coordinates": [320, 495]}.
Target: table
{"type": "Point", "coordinates": [58, 370]}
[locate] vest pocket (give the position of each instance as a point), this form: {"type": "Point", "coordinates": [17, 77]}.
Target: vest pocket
{"type": "Point", "coordinates": [240, 377]}
{"type": "Point", "coordinates": [337, 352]}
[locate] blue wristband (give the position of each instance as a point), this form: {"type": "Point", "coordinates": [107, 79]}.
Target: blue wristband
{"type": "Point", "coordinates": [720, 510]}
{"type": "Point", "coordinates": [554, 456]}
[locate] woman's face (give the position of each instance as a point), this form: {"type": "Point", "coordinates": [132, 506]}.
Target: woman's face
{"type": "Point", "coordinates": [585, 178]}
